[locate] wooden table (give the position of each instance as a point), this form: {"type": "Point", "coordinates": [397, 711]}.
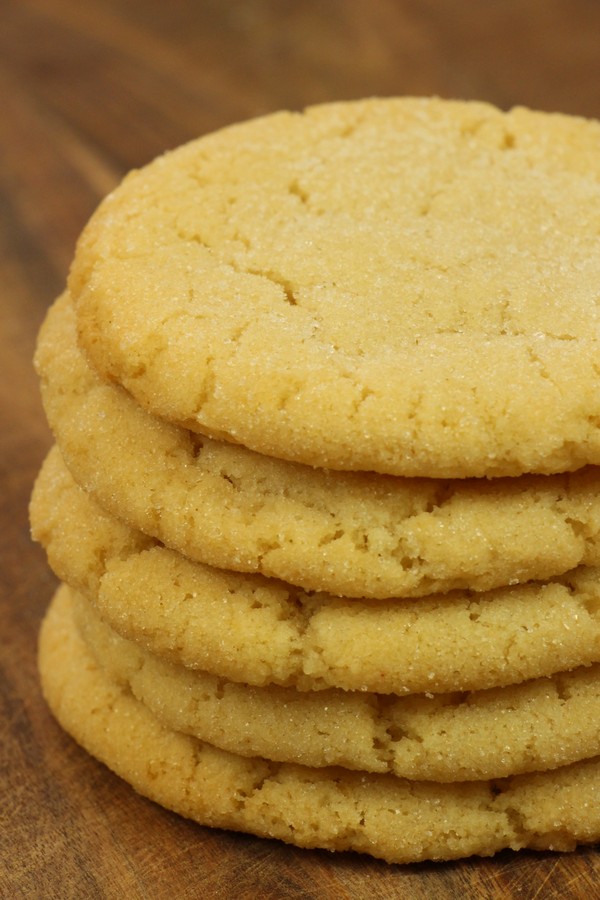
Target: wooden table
{"type": "Point", "coordinates": [87, 91]}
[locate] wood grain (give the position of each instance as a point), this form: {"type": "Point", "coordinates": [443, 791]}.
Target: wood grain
{"type": "Point", "coordinates": [89, 90]}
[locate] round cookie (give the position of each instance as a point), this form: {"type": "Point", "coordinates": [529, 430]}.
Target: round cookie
{"type": "Point", "coordinates": [387, 817]}
{"type": "Point", "coordinates": [537, 725]}
{"type": "Point", "coordinates": [260, 631]}
{"type": "Point", "coordinates": [400, 285]}
{"type": "Point", "coordinates": [352, 534]}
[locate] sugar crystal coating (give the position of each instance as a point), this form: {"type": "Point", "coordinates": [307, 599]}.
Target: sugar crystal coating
{"type": "Point", "coordinates": [404, 285]}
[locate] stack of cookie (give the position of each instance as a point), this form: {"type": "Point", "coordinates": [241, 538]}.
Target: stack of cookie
{"type": "Point", "coordinates": [324, 498]}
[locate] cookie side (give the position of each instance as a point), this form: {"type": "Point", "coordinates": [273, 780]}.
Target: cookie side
{"type": "Point", "coordinates": [389, 818]}
{"type": "Point", "coordinates": [260, 631]}
{"type": "Point", "coordinates": [351, 534]}
{"type": "Point", "coordinates": [478, 735]}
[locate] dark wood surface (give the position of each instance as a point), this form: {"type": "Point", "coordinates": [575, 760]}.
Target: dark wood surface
{"type": "Point", "coordinates": [87, 91]}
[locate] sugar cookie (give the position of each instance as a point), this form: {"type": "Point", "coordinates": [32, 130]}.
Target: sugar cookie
{"type": "Point", "coordinates": [400, 285]}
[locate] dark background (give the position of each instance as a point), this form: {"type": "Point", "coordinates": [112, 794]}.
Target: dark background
{"type": "Point", "coordinates": [89, 89]}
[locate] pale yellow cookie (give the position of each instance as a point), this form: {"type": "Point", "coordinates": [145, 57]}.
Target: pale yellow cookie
{"type": "Point", "coordinates": [402, 285]}
{"type": "Point", "coordinates": [537, 725]}
{"type": "Point", "coordinates": [388, 817]}
{"type": "Point", "coordinates": [260, 631]}
{"type": "Point", "coordinates": [352, 534]}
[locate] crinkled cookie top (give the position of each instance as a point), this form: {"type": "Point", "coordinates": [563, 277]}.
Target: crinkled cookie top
{"type": "Point", "coordinates": [409, 286]}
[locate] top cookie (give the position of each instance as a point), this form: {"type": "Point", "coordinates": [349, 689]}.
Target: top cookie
{"type": "Point", "coordinates": [405, 285]}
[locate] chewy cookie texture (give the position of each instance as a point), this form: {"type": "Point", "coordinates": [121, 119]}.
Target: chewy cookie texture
{"type": "Point", "coordinates": [325, 495]}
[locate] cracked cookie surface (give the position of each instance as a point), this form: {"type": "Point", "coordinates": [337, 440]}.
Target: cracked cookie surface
{"type": "Point", "coordinates": [401, 285]}
{"type": "Point", "coordinates": [351, 534]}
